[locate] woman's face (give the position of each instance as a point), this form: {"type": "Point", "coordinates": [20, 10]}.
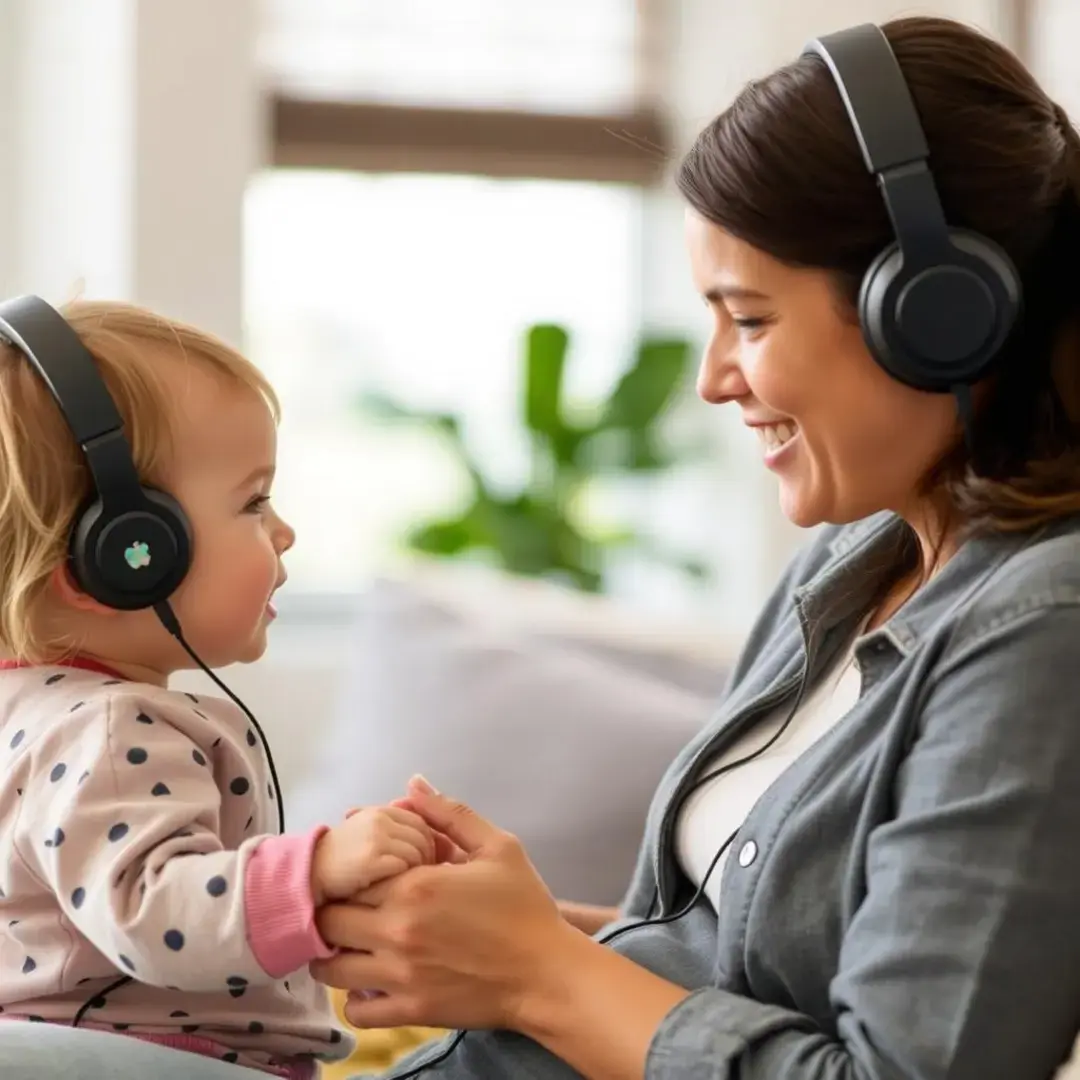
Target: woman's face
{"type": "Point", "coordinates": [843, 438]}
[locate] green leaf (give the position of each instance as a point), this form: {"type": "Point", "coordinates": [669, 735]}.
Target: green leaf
{"type": "Point", "coordinates": [643, 393]}
{"type": "Point", "coordinates": [447, 537]}
{"type": "Point", "coordinates": [545, 362]}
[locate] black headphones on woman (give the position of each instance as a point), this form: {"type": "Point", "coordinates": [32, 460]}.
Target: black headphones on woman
{"type": "Point", "coordinates": [937, 305]}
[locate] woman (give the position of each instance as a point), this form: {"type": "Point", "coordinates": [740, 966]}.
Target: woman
{"type": "Point", "coordinates": [903, 893]}
{"type": "Point", "coordinates": [903, 898]}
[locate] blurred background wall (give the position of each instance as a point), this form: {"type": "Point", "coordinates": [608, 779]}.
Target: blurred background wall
{"type": "Point", "coordinates": [377, 199]}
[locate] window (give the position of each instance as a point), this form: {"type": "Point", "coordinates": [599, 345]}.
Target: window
{"type": "Point", "coordinates": [566, 56]}
{"type": "Point", "coordinates": [561, 89]}
{"type": "Point", "coordinates": [419, 286]}
{"type": "Point", "coordinates": [444, 175]}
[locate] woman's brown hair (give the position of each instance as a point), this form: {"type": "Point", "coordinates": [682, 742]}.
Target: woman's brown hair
{"type": "Point", "coordinates": [781, 170]}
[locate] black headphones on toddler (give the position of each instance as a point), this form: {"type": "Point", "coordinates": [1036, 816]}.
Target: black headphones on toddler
{"type": "Point", "coordinates": [937, 305]}
{"type": "Point", "coordinates": [130, 545]}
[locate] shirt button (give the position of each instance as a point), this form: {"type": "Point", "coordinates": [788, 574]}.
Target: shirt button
{"type": "Point", "coordinates": [748, 853]}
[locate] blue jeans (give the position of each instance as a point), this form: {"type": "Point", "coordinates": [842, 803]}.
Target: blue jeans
{"type": "Point", "coordinates": [52, 1052]}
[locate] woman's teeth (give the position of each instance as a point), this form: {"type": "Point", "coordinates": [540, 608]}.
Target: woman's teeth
{"type": "Point", "coordinates": [773, 436]}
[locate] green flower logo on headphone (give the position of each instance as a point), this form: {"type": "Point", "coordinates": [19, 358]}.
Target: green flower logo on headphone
{"type": "Point", "coordinates": [138, 555]}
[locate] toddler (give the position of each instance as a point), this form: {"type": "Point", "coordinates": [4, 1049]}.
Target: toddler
{"type": "Point", "coordinates": [144, 888]}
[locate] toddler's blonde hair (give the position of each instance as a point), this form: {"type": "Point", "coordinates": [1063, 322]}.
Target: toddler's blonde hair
{"type": "Point", "coordinates": [44, 480]}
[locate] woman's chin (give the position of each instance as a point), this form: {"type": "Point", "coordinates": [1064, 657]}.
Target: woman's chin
{"type": "Point", "coordinates": [798, 507]}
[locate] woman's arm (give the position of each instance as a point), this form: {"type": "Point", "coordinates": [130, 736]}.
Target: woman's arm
{"type": "Point", "coordinates": [588, 918]}
{"type": "Point", "coordinates": [603, 1018]}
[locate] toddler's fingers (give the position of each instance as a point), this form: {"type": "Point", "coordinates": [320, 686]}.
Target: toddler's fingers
{"type": "Point", "coordinates": [388, 864]}
{"type": "Point", "coordinates": [422, 839]}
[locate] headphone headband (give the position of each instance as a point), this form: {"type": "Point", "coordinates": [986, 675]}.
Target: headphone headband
{"type": "Point", "coordinates": [887, 126]}
{"type": "Point", "coordinates": [68, 370]}
{"type": "Point", "coordinates": [44, 337]}
{"type": "Point", "coordinates": [875, 94]}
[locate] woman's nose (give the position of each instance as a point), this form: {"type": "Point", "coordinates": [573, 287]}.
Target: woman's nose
{"type": "Point", "coordinates": [720, 378]}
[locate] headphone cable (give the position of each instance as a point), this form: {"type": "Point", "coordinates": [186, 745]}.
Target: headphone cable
{"type": "Point", "coordinates": [168, 618]}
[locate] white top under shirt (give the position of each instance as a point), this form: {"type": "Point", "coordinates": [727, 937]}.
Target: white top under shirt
{"type": "Point", "coordinates": [717, 809]}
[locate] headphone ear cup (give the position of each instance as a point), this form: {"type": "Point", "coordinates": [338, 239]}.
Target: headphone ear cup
{"type": "Point", "coordinates": [172, 512]}
{"type": "Point", "coordinates": [876, 319]}
{"type": "Point", "coordinates": [133, 559]}
{"type": "Point", "coordinates": [938, 326]}
{"type": "Point", "coordinates": [79, 543]}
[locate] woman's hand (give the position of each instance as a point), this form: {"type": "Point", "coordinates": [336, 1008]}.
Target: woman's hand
{"type": "Point", "coordinates": [460, 946]}
{"type": "Point", "coordinates": [588, 918]}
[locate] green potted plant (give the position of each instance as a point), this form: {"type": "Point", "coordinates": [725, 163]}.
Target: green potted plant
{"type": "Point", "coordinates": [540, 529]}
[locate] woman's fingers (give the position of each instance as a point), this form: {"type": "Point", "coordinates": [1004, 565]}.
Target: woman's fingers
{"type": "Point", "coordinates": [381, 1011]}
{"type": "Point", "coordinates": [350, 926]}
{"type": "Point", "coordinates": [376, 973]}
{"type": "Point", "coordinates": [420, 785]}
{"type": "Point", "coordinates": [462, 825]}
{"type": "Point", "coordinates": [446, 851]}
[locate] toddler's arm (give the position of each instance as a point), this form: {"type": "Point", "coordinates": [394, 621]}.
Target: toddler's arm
{"type": "Point", "coordinates": [121, 817]}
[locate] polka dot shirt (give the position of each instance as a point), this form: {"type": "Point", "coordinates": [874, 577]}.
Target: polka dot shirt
{"type": "Point", "coordinates": [136, 839]}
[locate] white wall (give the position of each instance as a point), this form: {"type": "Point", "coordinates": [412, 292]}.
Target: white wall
{"type": "Point", "coordinates": [132, 127]}
{"type": "Point", "coordinates": [1052, 50]}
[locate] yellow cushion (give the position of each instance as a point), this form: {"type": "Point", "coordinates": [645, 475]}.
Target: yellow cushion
{"type": "Point", "coordinates": [376, 1049]}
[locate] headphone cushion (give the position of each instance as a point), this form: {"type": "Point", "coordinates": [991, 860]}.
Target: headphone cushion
{"type": "Point", "coordinates": [938, 326]}
{"type": "Point", "coordinates": [132, 559]}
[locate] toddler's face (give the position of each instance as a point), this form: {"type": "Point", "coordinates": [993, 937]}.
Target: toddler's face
{"type": "Point", "coordinates": [226, 448]}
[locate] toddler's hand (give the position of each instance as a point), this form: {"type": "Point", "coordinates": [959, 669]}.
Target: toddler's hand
{"type": "Point", "coordinates": [374, 843]}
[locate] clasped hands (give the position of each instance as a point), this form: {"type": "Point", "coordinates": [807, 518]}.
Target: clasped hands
{"type": "Point", "coordinates": [439, 918]}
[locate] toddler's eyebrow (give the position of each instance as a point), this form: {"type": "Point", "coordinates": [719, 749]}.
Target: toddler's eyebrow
{"type": "Point", "coordinates": [263, 472]}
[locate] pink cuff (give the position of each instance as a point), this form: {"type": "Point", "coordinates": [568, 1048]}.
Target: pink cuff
{"type": "Point", "coordinates": [278, 905]}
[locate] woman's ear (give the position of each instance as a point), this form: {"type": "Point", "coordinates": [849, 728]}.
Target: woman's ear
{"type": "Point", "coordinates": [66, 589]}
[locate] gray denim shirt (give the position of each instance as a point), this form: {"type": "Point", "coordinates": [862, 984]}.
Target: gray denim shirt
{"type": "Point", "coordinates": [910, 905]}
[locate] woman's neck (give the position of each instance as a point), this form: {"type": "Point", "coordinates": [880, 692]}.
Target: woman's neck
{"type": "Point", "coordinates": [936, 536]}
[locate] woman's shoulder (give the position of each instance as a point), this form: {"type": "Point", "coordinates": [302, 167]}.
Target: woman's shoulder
{"type": "Point", "coordinates": [1034, 572]}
